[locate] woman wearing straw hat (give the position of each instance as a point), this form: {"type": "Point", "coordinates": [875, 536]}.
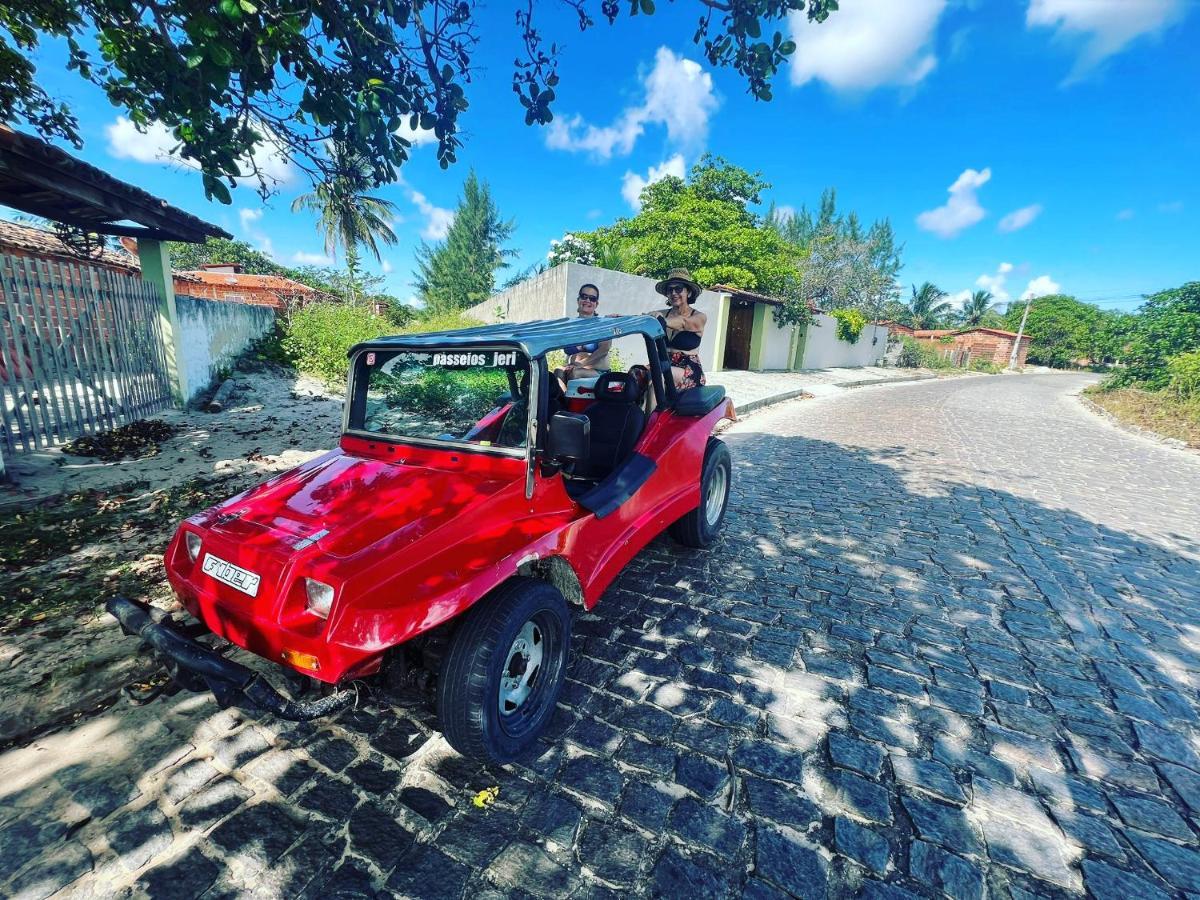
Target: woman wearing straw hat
{"type": "Point", "coordinates": [685, 326]}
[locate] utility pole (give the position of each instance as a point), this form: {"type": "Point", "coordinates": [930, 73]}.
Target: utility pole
{"type": "Point", "coordinates": [1012, 359]}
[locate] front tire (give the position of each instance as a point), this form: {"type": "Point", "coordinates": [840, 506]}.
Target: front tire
{"type": "Point", "coordinates": [700, 527]}
{"type": "Point", "coordinates": [504, 669]}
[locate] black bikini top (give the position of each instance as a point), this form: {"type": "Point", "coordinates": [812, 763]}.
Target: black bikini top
{"type": "Point", "coordinates": [682, 340]}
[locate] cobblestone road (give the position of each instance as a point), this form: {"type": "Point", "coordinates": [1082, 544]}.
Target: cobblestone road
{"type": "Point", "coordinates": [948, 646]}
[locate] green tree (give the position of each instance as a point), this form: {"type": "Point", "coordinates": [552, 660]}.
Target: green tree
{"type": "Point", "coordinates": [1166, 325]}
{"type": "Point", "coordinates": [461, 270]}
{"type": "Point", "coordinates": [975, 311]}
{"type": "Point", "coordinates": [1061, 330]}
{"type": "Point", "coordinates": [348, 216]}
{"type": "Point", "coordinates": [230, 77]}
{"type": "Point", "coordinates": [928, 307]}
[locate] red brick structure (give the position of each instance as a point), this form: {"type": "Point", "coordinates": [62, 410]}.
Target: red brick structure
{"type": "Point", "coordinates": [896, 327]}
{"type": "Point", "coordinates": [227, 282]}
{"type": "Point", "coordinates": [992, 344]}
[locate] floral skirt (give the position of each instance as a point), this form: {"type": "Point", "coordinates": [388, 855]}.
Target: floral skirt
{"type": "Point", "coordinates": [693, 375]}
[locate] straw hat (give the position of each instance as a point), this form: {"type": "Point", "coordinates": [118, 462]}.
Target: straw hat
{"type": "Point", "coordinates": [677, 275]}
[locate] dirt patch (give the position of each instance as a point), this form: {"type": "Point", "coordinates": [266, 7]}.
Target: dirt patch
{"type": "Point", "coordinates": [75, 531]}
{"type": "Point", "coordinates": [137, 440]}
{"type": "Point", "coordinates": [1158, 412]}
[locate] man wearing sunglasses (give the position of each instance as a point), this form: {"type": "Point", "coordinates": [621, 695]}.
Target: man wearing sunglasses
{"type": "Point", "coordinates": [586, 360]}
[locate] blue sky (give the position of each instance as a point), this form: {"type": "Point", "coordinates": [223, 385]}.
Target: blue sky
{"type": "Point", "coordinates": [1018, 145]}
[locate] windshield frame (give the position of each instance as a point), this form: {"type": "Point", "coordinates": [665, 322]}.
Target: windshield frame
{"type": "Point", "coordinates": [354, 400]}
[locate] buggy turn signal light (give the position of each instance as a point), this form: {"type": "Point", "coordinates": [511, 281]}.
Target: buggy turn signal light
{"type": "Point", "coordinates": [301, 660]}
{"type": "Point", "coordinates": [193, 544]}
{"type": "Point", "coordinates": [319, 597]}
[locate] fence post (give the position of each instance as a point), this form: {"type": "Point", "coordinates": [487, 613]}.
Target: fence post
{"type": "Point", "coordinates": [155, 258]}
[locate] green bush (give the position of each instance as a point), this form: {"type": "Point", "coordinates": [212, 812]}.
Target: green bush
{"type": "Point", "coordinates": [1165, 327]}
{"type": "Point", "coordinates": [919, 355]}
{"type": "Point", "coordinates": [318, 337]}
{"type": "Point", "coordinates": [984, 365]}
{"type": "Point", "coordinates": [850, 323]}
{"type": "Point", "coordinates": [1184, 372]}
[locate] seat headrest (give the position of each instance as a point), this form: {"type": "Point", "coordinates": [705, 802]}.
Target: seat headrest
{"type": "Point", "coordinates": [618, 387]}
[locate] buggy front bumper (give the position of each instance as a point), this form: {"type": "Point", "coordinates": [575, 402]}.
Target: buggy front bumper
{"type": "Point", "coordinates": [197, 667]}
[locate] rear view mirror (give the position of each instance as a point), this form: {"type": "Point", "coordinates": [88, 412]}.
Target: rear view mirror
{"type": "Point", "coordinates": [570, 437]}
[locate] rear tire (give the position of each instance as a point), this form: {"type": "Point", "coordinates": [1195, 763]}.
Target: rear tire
{"type": "Point", "coordinates": [700, 527]}
{"type": "Point", "coordinates": [504, 669]}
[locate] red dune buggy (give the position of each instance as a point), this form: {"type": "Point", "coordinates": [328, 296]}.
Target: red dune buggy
{"type": "Point", "coordinates": [468, 503]}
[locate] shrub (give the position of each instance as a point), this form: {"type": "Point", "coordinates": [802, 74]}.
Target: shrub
{"type": "Point", "coordinates": [318, 337]}
{"type": "Point", "coordinates": [984, 365]}
{"type": "Point", "coordinates": [918, 355]}
{"type": "Point", "coordinates": [1184, 373]}
{"type": "Point", "coordinates": [850, 323]}
{"type": "Point", "coordinates": [1166, 326]}
{"type": "Point", "coordinates": [910, 354]}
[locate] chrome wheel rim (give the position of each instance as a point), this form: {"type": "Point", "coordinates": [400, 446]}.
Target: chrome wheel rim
{"type": "Point", "coordinates": [522, 669]}
{"type": "Point", "coordinates": [714, 503]}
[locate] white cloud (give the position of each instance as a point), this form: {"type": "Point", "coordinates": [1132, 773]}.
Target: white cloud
{"type": "Point", "coordinates": [1125, 215]}
{"type": "Point", "coordinates": [248, 219]}
{"type": "Point", "coordinates": [1019, 218]}
{"type": "Point", "coordinates": [303, 258]}
{"type": "Point", "coordinates": [961, 211]}
{"type": "Point", "coordinates": [785, 212]}
{"type": "Point", "coordinates": [1103, 26]}
{"type": "Point", "coordinates": [1173, 207]}
{"type": "Point", "coordinates": [995, 282]}
{"type": "Point", "coordinates": [958, 298]}
{"type": "Point", "coordinates": [633, 184]}
{"type": "Point", "coordinates": [437, 219]}
{"type": "Point", "coordinates": [866, 44]}
{"type": "Point", "coordinates": [678, 95]}
{"type": "Point", "coordinates": [1041, 286]}
{"type": "Point", "coordinates": [416, 136]}
{"type": "Point", "coordinates": [157, 145]}
{"type": "Point", "coordinates": [386, 266]}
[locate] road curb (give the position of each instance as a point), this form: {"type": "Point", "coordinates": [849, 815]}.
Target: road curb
{"type": "Point", "coordinates": [801, 393]}
{"type": "Point", "coordinates": [1135, 430]}
{"type": "Point", "coordinates": [869, 381]}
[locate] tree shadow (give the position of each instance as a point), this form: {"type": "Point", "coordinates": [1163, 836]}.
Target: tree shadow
{"type": "Point", "coordinates": [864, 687]}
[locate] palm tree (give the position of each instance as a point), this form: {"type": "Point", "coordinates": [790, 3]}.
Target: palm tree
{"type": "Point", "coordinates": [348, 215]}
{"type": "Point", "coordinates": [612, 253]}
{"type": "Point", "coordinates": [927, 308]}
{"type": "Point", "coordinates": [975, 310]}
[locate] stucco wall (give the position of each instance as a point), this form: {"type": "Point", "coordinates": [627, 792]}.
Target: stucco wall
{"type": "Point", "coordinates": [823, 349]}
{"type": "Point", "coordinates": [540, 297]}
{"type": "Point", "coordinates": [777, 343]}
{"type": "Point", "coordinates": [214, 334]}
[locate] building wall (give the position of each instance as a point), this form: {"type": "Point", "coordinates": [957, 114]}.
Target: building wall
{"type": "Point", "coordinates": [824, 350]}
{"type": "Point", "coordinates": [541, 297]}
{"type": "Point", "coordinates": [995, 348]}
{"type": "Point", "coordinates": [214, 334]}
{"type": "Point", "coordinates": [777, 344]}
{"type": "Point", "coordinates": [250, 296]}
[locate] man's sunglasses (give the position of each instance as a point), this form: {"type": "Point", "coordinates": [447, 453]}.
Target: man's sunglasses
{"type": "Point", "coordinates": [589, 298]}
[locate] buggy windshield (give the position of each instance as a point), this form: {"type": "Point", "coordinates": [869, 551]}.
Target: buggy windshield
{"type": "Point", "coordinates": [473, 396]}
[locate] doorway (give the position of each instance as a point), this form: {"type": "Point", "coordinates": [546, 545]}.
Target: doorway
{"type": "Point", "coordinates": [738, 334]}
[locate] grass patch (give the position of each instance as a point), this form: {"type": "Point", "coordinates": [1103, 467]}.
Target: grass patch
{"type": "Point", "coordinates": [1164, 413]}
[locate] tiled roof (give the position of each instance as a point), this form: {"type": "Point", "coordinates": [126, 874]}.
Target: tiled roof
{"type": "Point", "coordinates": [38, 240]}
{"type": "Point", "coordinates": [254, 282]}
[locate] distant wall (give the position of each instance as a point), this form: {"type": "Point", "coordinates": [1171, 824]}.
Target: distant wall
{"type": "Point", "coordinates": [824, 350]}
{"type": "Point", "coordinates": [776, 343]}
{"type": "Point", "coordinates": [541, 297]}
{"type": "Point", "coordinates": [214, 334]}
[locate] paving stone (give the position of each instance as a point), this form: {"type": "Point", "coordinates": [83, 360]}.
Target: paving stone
{"type": "Point", "coordinates": [1092, 833]}
{"type": "Point", "coordinates": [376, 835]}
{"type": "Point", "coordinates": [928, 775]}
{"type": "Point", "coordinates": [1185, 782]}
{"type": "Point", "coordinates": [284, 769]}
{"type": "Point", "coordinates": [139, 837]}
{"type": "Point", "coordinates": [428, 804]}
{"type": "Point", "coordinates": [236, 750]}
{"type": "Point", "coordinates": [863, 845]}
{"type": "Point", "coordinates": [334, 754]}
{"type": "Point", "coordinates": [185, 878]}
{"type": "Point", "coordinates": [1107, 883]}
{"type": "Point", "coordinates": [796, 869]}
{"type": "Point", "coordinates": [1166, 745]}
{"type": "Point", "coordinates": [212, 803]}
{"type": "Point", "coordinates": [701, 825]}
{"type": "Point", "coordinates": [941, 824]}
{"type": "Point", "coordinates": [770, 760]}
{"type": "Point", "coordinates": [1042, 852]}
{"type": "Point", "coordinates": [554, 817]}
{"type": "Point", "coordinates": [693, 875]}
{"type": "Point", "coordinates": [27, 838]}
{"type": "Point", "coordinates": [651, 757]}
{"type": "Point", "coordinates": [1105, 769]}
{"type": "Point", "coordinates": [614, 853]}
{"type": "Point", "coordinates": [262, 833]}
{"type": "Point", "coordinates": [958, 701]}
{"type": "Point", "coordinates": [528, 868]}
{"type": "Point", "coordinates": [701, 775]}
{"type": "Point", "coordinates": [475, 841]}
{"type": "Point", "coordinates": [330, 797]}
{"type": "Point", "coordinates": [951, 875]}
{"type": "Point", "coordinates": [861, 798]}
{"type": "Point", "coordinates": [851, 753]}
{"type": "Point", "coordinates": [646, 805]}
{"type": "Point", "coordinates": [56, 872]}
{"type": "Point", "coordinates": [596, 736]}
{"type": "Point", "coordinates": [1179, 866]}
{"type": "Point", "coordinates": [1153, 816]}
{"type": "Point", "coordinates": [769, 800]}
{"type": "Point", "coordinates": [424, 871]}
{"type": "Point", "coordinates": [594, 777]}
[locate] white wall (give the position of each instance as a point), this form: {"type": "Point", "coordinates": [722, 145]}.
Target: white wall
{"type": "Point", "coordinates": [213, 333]}
{"type": "Point", "coordinates": [777, 343]}
{"type": "Point", "coordinates": [541, 297]}
{"type": "Point", "coordinates": [823, 349]}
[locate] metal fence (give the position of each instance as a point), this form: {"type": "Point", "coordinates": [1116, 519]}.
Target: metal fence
{"type": "Point", "coordinates": [81, 351]}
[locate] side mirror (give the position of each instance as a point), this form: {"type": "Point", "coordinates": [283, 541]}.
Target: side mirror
{"type": "Point", "coordinates": [570, 437]}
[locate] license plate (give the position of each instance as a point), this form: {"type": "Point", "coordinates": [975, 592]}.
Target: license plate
{"type": "Point", "coordinates": [234, 576]}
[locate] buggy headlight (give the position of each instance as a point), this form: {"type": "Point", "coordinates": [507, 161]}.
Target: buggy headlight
{"type": "Point", "coordinates": [193, 544]}
{"type": "Point", "coordinates": [319, 597]}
